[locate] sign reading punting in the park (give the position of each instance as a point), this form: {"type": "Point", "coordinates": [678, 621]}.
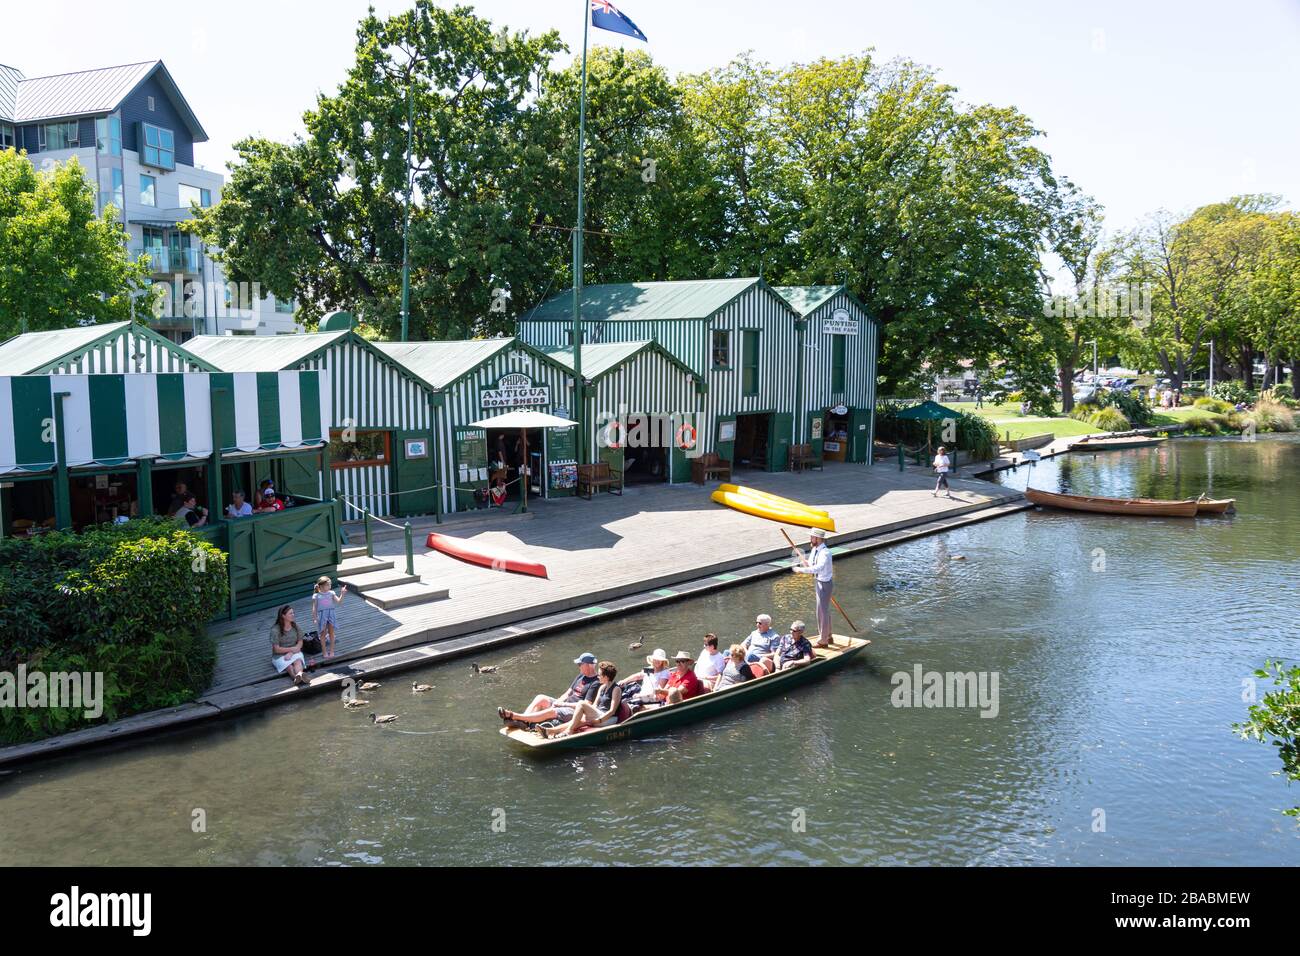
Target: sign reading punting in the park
{"type": "Point", "coordinates": [515, 390]}
{"type": "Point", "coordinates": [840, 322]}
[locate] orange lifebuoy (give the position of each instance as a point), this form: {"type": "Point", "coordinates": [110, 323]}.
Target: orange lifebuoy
{"type": "Point", "coordinates": [686, 436]}
{"type": "Point", "coordinates": [613, 435]}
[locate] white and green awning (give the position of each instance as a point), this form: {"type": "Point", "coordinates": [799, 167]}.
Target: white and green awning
{"type": "Point", "coordinates": [113, 419]}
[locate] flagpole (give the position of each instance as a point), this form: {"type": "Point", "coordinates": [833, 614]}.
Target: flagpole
{"type": "Point", "coordinates": [579, 397]}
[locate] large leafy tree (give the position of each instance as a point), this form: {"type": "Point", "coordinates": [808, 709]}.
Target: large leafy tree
{"type": "Point", "coordinates": [61, 264]}
{"type": "Point", "coordinates": [321, 219]}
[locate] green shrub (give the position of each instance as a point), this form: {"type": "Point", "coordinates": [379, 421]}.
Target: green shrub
{"type": "Point", "coordinates": [977, 435]}
{"type": "Point", "coordinates": [1216, 405]}
{"type": "Point", "coordinates": [1231, 391]}
{"type": "Point", "coordinates": [1271, 417]}
{"type": "Point", "coordinates": [1211, 424]}
{"type": "Point", "coordinates": [1083, 411]}
{"type": "Point", "coordinates": [1130, 405]}
{"type": "Point", "coordinates": [1110, 420]}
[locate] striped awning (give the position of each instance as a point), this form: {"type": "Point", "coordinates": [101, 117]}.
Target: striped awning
{"type": "Point", "coordinates": [113, 419]}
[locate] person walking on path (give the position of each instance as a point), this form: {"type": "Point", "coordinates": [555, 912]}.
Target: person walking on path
{"type": "Point", "coordinates": [818, 564]}
{"type": "Point", "coordinates": [942, 465]}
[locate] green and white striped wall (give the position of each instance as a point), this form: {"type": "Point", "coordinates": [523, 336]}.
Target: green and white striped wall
{"type": "Point", "coordinates": [113, 419]}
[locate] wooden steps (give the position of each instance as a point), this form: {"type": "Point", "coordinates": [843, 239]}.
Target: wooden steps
{"type": "Point", "coordinates": [404, 595]}
{"type": "Point", "coordinates": [377, 580]}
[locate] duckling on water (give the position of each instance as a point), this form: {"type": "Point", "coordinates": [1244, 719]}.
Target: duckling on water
{"type": "Point", "coordinates": [383, 718]}
{"type": "Point", "coordinates": [490, 669]}
{"type": "Point", "coordinates": [417, 688]}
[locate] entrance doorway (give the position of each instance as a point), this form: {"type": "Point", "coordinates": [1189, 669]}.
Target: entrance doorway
{"type": "Point", "coordinates": [506, 463]}
{"type": "Point", "coordinates": [836, 435]}
{"type": "Point", "coordinates": [753, 441]}
{"type": "Point", "coordinates": [646, 461]}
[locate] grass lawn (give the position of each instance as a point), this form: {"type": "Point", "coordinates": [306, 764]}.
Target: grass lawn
{"type": "Point", "coordinates": [1006, 418]}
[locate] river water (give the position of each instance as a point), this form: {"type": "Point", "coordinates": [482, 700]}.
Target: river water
{"type": "Point", "coordinates": [1120, 648]}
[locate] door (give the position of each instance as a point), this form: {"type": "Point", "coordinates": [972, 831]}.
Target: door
{"type": "Point", "coordinates": [471, 463]}
{"type": "Point", "coordinates": [780, 432]}
{"type": "Point", "coordinates": [413, 476]}
{"type": "Point", "coordinates": [685, 432]}
{"type": "Point", "coordinates": [816, 432]}
{"type": "Point", "coordinates": [300, 476]}
{"type": "Point", "coordinates": [860, 434]}
{"type": "Point", "coordinates": [726, 444]}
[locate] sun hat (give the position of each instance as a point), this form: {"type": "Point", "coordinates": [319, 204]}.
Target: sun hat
{"type": "Point", "coordinates": [683, 656]}
{"type": "Point", "coordinates": [817, 533]}
{"type": "Point", "coordinates": [659, 655]}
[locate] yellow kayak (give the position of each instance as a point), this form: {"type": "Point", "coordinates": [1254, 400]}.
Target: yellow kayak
{"type": "Point", "coordinates": [761, 508]}
{"type": "Point", "coordinates": [773, 499]}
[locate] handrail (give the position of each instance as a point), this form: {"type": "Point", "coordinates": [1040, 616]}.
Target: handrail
{"type": "Point", "coordinates": [368, 517]}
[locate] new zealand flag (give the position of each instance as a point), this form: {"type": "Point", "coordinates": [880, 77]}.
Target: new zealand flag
{"type": "Point", "coordinates": [606, 16]}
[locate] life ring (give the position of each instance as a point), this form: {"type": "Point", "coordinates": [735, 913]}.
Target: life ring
{"type": "Point", "coordinates": [686, 436]}
{"type": "Point", "coordinates": [613, 434]}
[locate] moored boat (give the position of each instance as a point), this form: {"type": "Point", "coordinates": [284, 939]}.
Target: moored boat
{"type": "Point", "coordinates": [1214, 506]}
{"type": "Point", "coordinates": [1114, 506]}
{"type": "Point", "coordinates": [655, 719]}
{"type": "Point", "coordinates": [1115, 444]}
{"type": "Point", "coordinates": [485, 555]}
{"type": "Point", "coordinates": [1030, 442]}
{"type": "Point", "coordinates": [776, 499]}
{"type": "Point", "coordinates": [773, 510]}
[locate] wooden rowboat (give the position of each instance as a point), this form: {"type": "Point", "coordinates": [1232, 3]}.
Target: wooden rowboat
{"type": "Point", "coordinates": [654, 720]}
{"type": "Point", "coordinates": [1033, 441]}
{"type": "Point", "coordinates": [1214, 506]}
{"type": "Point", "coordinates": [484, 554]}
{"type": "Point", "coordinates": [1114, 444]}
{"type": "Point", "coordinates": [1115, 506]}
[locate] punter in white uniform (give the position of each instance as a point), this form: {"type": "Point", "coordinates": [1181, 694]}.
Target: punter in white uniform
{"type": "Point", "coordinates": [819, 566]}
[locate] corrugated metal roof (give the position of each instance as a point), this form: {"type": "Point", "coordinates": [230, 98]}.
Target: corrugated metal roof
{"type": "Point", "coordinates": [9, 80]}
{"type": "Point", "coordinates": [78, 94]}
{"type": "Point", "coordinates": [441, 363]}
{"type": "Point", "coordinates": [26, 353]}
{"type": "Point", "coordinates": [259, 353]}
{"type": "Point", "coordinates": [806, 299]}
{"type": "Point", "coordinates": [645, 301]}
{"type": "Point", "coordinates": [597, 359]}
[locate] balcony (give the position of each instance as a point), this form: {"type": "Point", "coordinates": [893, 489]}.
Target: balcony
{"type": "Point", "coordinates": [167, 260]}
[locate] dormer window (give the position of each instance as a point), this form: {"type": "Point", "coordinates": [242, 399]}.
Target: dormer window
{"type": "Point", "coordinates": [159, 147]}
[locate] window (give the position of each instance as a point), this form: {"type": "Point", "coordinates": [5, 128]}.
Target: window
{"type": "Point", "coordinates": [839, 344]}
{"type": "Point", "coordinates": [151, 104]}
{"type": "Point", "coordinates": [284, 306]}
{"type": "Point", "coordinates": [148, 190]}
{"type": "Point", "coordinates": [721, 348]}
{"type": "Point", "coordinates": [60, 136]}
{"type": "Point", "coordinates": [6, 135]}
{"type": "Point", "coordinates": [115, 189]}
{"type": "Point", "coordinates": [108, 136]}
{"type": "Point", "coordinates": [159, 147]}
{"type": "Point", "coordinates": [195, 196]}
{"type": "Point", "coordinates": [749, 368]}
{"type": "Point", "coordinates": [366, 448]}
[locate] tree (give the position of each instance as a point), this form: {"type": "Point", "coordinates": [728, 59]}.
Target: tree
{"type": "Point", "coordinates": [1277, 718]}
{"type": "Point", "coordinates": [60, 263]}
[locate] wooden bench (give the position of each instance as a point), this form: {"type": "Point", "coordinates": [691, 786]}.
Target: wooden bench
{"type": "Point", "coordinates": [708, 467]}
{"type": "Point", "coordinates": [597, 476]}
{"type": "Point", "coordinates": [802, 457]}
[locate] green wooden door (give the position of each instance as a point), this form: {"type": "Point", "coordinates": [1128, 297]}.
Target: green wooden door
{"type": "Point", "coordinates": [471, 465]}
{"type": "Point", "coordinates": [681, 458]}
{"type": "Point", "coordinates": [300, 476]}
{"type": "Point", "coordinates": [726, 443]}
{"type": "Point", "coordinates": [413, 476]}
{"type": "Point", "coordinates": [859, 434]}
{"type": "Point", "coordinates": [613, 456]}
{"type": "Point", "coordinates": [778, 441]}
{"type": "Point", "coordinates": [816, 426]}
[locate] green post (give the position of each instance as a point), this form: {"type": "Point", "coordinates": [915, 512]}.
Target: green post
{"type": "Point", "coordinates": [62, 500]}
{"type": "Point", "coordinates": [801, 413]}
{"type": "Point", "coordinates": [144, 486]}
{"type": "Point", "coordinates": [902, 462]}
{"type": "Point", "coordinates": [406, 224]}
{"type": "Point", "coordinates": [214, 466]}
{"type": "Point", "coordinates": [326, 475]}
{"type": "Point", "coordinates": [579, 400]}
{"type": "Point", "coordinates": [230, 574]}
{"type": "Point", "coordinates": [370, 538]}
{"type": "Point", "coordinates": [410, 551]}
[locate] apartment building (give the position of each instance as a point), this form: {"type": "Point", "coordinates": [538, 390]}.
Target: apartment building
{"type": "Point", "coordinates": [134, 133]}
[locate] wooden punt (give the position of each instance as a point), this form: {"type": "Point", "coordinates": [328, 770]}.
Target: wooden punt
{"type": "Point", "coordinates": [1115, 506]}
{"type": "Point", "coordinates": [485, 555]}
{"type": "Point", "coordinates": [1025, 444]}
{"type": "Point", "coordinates": [1214, 506]}
{"type": "Point", "coordinates": [657, 719]}
{"type": "Point", "coordinates": [1114, 444]}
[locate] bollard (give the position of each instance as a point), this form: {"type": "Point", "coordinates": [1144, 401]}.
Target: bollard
{"type": "Point", "coordinates": [370, 536]}
{"type": "Point", "coordinates": [410, 552]}
{"type": "Point", "coordinates": [902, 462]}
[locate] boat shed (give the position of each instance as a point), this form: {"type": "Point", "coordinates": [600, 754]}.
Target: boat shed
{"type": "Point", "coordinates": [114, 347]}
{"type": "Point", "coordinates": [841, 346]}
{"type": "Point", "coordinates": [643, 409]}
{"type": "Point", "coordinates": [380, 414]}
{"type": "Point", "coordinates": [738, 336]}
{"type": "Point", "coordinates": [479, 378]}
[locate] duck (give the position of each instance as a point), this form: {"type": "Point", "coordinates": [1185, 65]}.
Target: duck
{"type": "Point", "coordinates": [417, 688]}
{"type": "Point", "coordinates": [383, 718]}
{"type": "Point", "coordinates": [490, 669]}
{"type": "Point", "coordinates": [368, 685]}
{"type": "Point", "coordinates": [637, 644]}
{"type": "Point", "coordinates": [355, 702]}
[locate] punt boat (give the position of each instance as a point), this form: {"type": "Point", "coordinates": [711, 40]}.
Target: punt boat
{"type": "Point", "coordinates": [1115, 506]}
{"type": "Point", "coordinates": [1028, 443]}
{"type": "Point", "coordinates": [1113, 444]}
{"type": "Point", "coordinates": [653, 720]}
{"type": "Point", "coordinates": [484, 554]}
{"type": "Point", "coordinates": [1214, 506]}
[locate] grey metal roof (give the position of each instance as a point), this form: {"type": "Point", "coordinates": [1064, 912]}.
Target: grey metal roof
{"type": "Point", "coordinates": [31, 351]}
{"type": "Point", "coordinates": [441, 363]}
{"type": "Point", "coordinates": [9, 80]}
{"type": "Point", "coordinates": [260, 353]}
{"type": "Point", "coordinates": [642, 301]}
{"type": "Point", "coordinates": [94, 92]}
{"type": "Point", "coordinates": [806, 299]}
{"type": "Point", "coordinates": [598, 358]}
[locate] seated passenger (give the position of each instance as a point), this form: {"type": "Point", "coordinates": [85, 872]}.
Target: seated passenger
{"type": "Point", "coordinates": [602, 712]}
{"type": "Point", "coordinates": [683, 684]}
{"type": "Point", "coordinates": [643, 685]}
{"type": "Point", "coordinates": [761, 642]}
{"type": "Point", "coordinates": [544, 708]}
{"type": "Point", "coordinates": [736, 671]}
{"type": "Point", "coordinates": [711, 662]}
{"type": "Point", "coordinates": [794, 650]}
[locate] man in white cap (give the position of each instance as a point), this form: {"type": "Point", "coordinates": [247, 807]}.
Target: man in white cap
{"type": "Point", "coordinates": [818, 564]}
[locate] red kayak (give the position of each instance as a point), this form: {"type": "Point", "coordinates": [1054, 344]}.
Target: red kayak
{"type": "Point", "coordinates": [484, 555]}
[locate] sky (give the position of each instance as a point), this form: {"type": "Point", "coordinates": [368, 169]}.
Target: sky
{"type": "Point", "coordinates": [1145, 104]}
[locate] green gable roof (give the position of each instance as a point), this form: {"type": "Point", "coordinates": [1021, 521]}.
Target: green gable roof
{"type": "Point", "coordinates": [603, 357]}
{"type": "Point", "coordinates": [260, 353]}
{"type": "Point", "coordinates": [645, 301]}
{"type": "Point", "coordinates": [35, 352]}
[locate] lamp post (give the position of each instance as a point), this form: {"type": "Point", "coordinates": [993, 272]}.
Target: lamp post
{"type": "Point", "coordinates": [406, 220]}
{"type": "Point", "coordinates": [579, 396]}
{"type": "Point", "coordinates": [1093, 343]}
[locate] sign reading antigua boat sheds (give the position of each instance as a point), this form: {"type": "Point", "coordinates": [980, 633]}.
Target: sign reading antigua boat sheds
{"type": "Point", "coordinates": [514, 390]}
{"type": "Point", "coordinates": [840, 323]}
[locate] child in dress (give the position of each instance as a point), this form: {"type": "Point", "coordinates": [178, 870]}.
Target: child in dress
{"type": "Point", "coordinates": [323, 604]}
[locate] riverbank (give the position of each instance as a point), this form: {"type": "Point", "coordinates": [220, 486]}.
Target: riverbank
{"type": "Point", "coordinates": [606, 557]}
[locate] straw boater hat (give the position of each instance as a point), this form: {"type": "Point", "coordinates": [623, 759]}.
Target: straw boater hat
{"type": "Point", "coordinates": [658, 655]}
{"type": "Point", "coordinates": [683, 656]}
{"type": "Point", "coordinates": [818, 533]}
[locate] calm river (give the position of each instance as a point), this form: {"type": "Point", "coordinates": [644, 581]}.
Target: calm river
{"type": "Point", "coordinates": [1120, 647]}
